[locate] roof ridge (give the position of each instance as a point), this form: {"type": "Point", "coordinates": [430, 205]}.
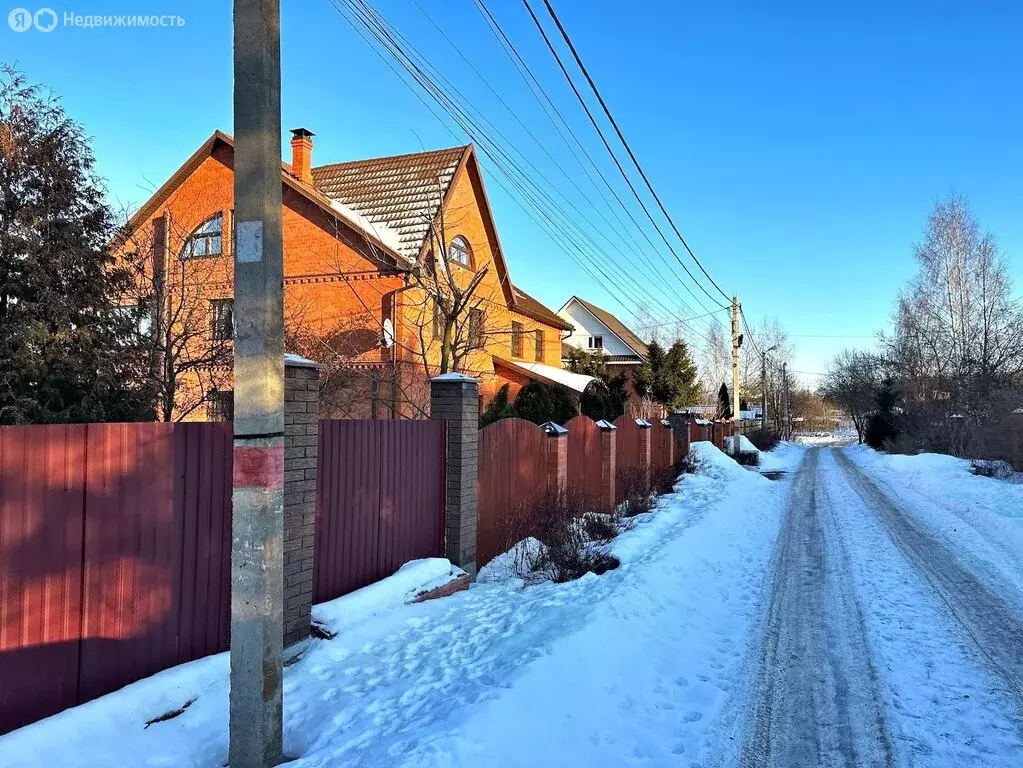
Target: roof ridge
{"type": "Point", "coordinates": [400, 156]}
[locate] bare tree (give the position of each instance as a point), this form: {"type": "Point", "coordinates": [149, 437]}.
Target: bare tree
{"type": "Point", "coordinates": [852, 381]}
{"type": "Point", "coordinates": [958, 333]}
{"type": "Point", "coordinates": [716, 363]}
{"type": "Point", "coordinates": [186, 335]}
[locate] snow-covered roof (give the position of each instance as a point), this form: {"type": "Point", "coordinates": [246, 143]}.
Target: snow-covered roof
{"type": "Point", "coordinates": [577, 382]}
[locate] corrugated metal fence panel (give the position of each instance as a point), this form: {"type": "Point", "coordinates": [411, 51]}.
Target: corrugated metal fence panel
{"type": "Point", "coordinates": [201, 532]}
{"type": "Point", "coordinates": [379, 500]}
{"type": "Point", "coordinates": [115, 546]}
{"type": "Point", "coordinates": [660, 447]}
{"type": "Point", "coordinates": [42, 491]}
{"type": "Point", "coordinates": [584, 457]}
{"type": "Point", "coordinates": [512, 471]}
{"type": "Point", "coordinates": [628, 436]}
{"type": "Point", "coordinates": [126, 591]}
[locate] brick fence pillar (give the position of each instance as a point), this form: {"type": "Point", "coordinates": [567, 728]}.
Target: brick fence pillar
{"type": "Point", "coordinates": [608, 464]}
{"type": "Point", "coordinates": [301, 431]}
{"type": "Point", "coordinates": [644, 447]}
{"type": "Point", "coordinates": [454, 399]}
{"type": "Point", "coordinates": [557, 455]}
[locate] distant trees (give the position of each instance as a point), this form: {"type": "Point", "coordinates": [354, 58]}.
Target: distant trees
{"type": "Point", "coordinates": [852, 381]}
{"type": "Point", "coordinates": [950, 371]}
{"type": "Point", "coordinates": [64, 351]}
{"type": "Point", "coordinates": [669, 378]}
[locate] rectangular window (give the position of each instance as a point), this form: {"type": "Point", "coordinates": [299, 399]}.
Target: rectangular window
{"type": "Point", "coordinates": [222, 405]}
{"type": "Point", "coordinates": [595, 342]}
{"type": "Point", "coordinates": [475, 328]}
{"type": "Point", "coordinates": [538, 341]}
{"type": "Point", "coordinates": [516, 339]}
{"type": "Point", "coordinates": [222, 319]}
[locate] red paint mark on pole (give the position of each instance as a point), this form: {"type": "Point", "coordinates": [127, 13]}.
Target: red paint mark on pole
{"type": "Point", "coordinates": [259, 466]}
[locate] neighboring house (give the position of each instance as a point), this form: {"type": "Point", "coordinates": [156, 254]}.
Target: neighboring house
{"type": "Point", "coordinates": [597, 330]}
{"type": "Point", "coordinates": [358, 236]}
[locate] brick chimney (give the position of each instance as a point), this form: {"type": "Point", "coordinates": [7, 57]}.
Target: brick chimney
{"type": "Point", "coordinates": [302, 154]}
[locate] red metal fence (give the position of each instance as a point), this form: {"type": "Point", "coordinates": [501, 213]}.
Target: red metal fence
{"type": "Point", "coordinates": [513, 460]}
{"type": "Point", "coordinates": [114, 557]}
{"type": "Point", "coordinates": [662, 447]}
{"type": "Point", "coordinates": [584, 461]}
{"type": "Point", "coordinates": [379, 501]}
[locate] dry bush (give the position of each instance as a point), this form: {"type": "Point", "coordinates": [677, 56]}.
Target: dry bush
{"type": "Point", "coordinates": [557, 539]}
{"type": "Point", "coordinates": [635, 490]}
{"type": "Point", "coordinates": [764, 439]}
{"type": "Point", "coordinates": [689, 464]}
{"type": "Point", "coordinates": [748, 458]}
{"type": "Point", "coordinates": [663, 480]}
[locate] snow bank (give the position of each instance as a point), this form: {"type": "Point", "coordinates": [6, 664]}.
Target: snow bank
{"type": "Point", "coordinates": [745, 446]}
{"type": "Point", "coordinates": [412, 579]}
{"type": "Point", "coordinates": [981, 518]}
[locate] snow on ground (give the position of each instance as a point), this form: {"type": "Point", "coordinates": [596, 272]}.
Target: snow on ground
{"type": "Point", "coordinates": [980, 518]}
{"type": "Point", "coordinates": [411, 580]}
{"type": "Point", "coordinates": [943, 706]}
{"type": "Point", "coordinates": [825, 438]}
{"type": "Point", "coordinates": [634, 665]}
{"type": "Point", "coordinates": [785, 457]}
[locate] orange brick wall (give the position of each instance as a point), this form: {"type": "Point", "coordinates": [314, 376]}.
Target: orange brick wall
{"type": "Point", "coordinates": [337, 292]}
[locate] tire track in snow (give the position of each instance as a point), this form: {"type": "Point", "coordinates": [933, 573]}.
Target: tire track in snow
{"type": "Point", "coordinates": [815, 698]}
{"type": "Point", "coordinates": [986, 619]}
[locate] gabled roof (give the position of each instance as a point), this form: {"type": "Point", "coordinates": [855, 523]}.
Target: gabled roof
{"type": "Point", "coordinates": [613, 324]}
{"type": "Point", "coordinates": [526, 305]}
{"type": "Point", "coordinates": [402, 193]}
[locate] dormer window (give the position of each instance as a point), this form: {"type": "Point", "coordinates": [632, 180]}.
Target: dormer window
{"type": "Point", "coordinates": [206, 239]}
{"type": "Point", "coordinates": [459, 252]}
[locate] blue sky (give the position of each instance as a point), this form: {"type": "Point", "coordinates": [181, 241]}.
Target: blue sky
{"type": "Point", "coordinates": [799, 146]}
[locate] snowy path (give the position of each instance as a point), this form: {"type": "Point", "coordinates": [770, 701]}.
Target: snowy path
{"type": "Point", "coordinates": [881, 642]}
{"type": "Point", "coordinates": [817, 700]}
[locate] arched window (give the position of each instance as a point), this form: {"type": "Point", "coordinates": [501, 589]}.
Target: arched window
{"type": "Point", "coordinates": [206, 240]}
{"type": "Point", "coordinates": [459, 252]}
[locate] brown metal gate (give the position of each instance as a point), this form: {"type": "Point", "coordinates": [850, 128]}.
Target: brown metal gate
{"type": "Point", "coordinates": [379, 501]}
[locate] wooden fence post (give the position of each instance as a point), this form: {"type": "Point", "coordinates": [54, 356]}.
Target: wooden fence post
{"type": "Point", "coordinates": [301, 438]}
{"type": "Point", "coordinates": [454, 399]}
{"type": "Point", "coordinates": [608, 464]}
{"type": "Point", "coordinates": [557, 455]}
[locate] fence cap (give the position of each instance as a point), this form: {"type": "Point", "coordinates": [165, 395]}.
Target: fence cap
{"type": "Point", "coordinates": [606, 425]}
{"type": "Point", "coordinates": [665, 423]}
{"type": "Point", "coordinates": [297, 361]}
{"type": "Point", "coordinates": [553, 429]}
{"type": "Point", "coordinates": [455, 377]}
{"type": "Point", "coordinates": [643, 423]}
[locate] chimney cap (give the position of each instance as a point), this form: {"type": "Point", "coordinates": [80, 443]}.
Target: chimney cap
{"type": "Point", "coordinates": [301, 133]}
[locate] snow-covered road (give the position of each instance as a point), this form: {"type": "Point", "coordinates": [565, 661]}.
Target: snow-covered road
{"type": "Point", "coordinates": [881, 641]}
{"type": "Point", "coordinates": [866, 610]}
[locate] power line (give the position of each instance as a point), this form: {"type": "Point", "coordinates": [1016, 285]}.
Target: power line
{"type": "Point", "coordinates": [369, 19]}
{"type": "Point", "coordinates": [614, 157]}
{"type": "Point", "coordinates": [625, 143]}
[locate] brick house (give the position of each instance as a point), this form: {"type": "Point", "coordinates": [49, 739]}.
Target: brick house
{"type": "Point", "coordinates": [359, 237]}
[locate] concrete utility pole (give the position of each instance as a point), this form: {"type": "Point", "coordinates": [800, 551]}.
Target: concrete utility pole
{"type": "Point", "coordinates": [257, 556]}
{"type": "Point", "coordinates": [736, 343]}
{"type": "Point", "coordinates": [763, 392]}
{"type": "Point", "coordinates": [785, 401]}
